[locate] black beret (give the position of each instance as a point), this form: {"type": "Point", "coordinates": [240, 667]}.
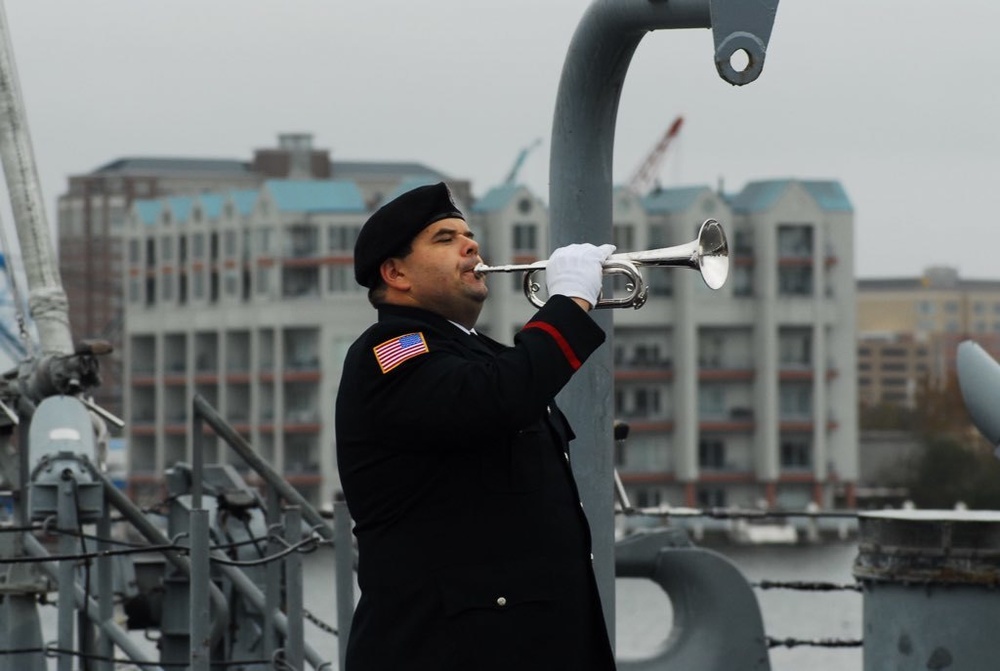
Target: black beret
{"type": "Point", "coordinates": [396, 223]}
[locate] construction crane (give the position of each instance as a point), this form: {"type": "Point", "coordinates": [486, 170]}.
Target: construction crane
{"type": "Point", "coordinates": [645, 174]}
{"type": "Point", "coordinates": [519, 161]}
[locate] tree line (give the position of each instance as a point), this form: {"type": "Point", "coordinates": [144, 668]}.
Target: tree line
{"type": "Point", "coordinates": [955, 463]}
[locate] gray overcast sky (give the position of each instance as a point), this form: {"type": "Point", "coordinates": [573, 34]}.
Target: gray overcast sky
{"type": "Point", "coordinates": [893, 98]}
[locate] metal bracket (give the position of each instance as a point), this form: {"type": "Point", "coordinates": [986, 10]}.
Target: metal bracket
{"type": "Point", "coordinates": [738, 26]}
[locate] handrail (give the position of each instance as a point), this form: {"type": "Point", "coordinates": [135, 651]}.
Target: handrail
{"type": "Point", "coordinates": [345, 562]}
{"type": "Point", "coordinates": [203, 409]}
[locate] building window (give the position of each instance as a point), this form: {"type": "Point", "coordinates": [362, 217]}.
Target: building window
{"type": "Point", "coordinates": [134, 290]}
{"type": "Point", "coordinates": [795, 281]}
{"type": "Point", "coordinates": [711, 454]}
{"type": "Point", "coordinates": [795, 241]}
{"type": "Point", "coordinates": [134, 251]}
{"type": "Point", "coordinates": [229, 240]}
{"type": "Point", "coordinates": [264, 241]}
{"type": "Point", "coordinates": [795, 454]}
{"type": "Point", "coordinates": [525, 239]}
{"type": "Point", "coordinates": [795, 348]}
{"type": "Point", "coordinates": [342, 238]}
{"type": "Point", "coordinates": [299, 282]}
{"type": "Point", "coordinates": [263, 281]}
{"type": "Point", "coordinates": [925, 307]}
{"type": "Point", "coordinates": [167, 289]}
{"type": "Point", "coordinates": [623, 236]}
{"type": "Point", "coordinates": [197, 285]}
{"type": "Point", "coordinates": [647, 402]}
{"type": "Point", "coordinates": [198, 246]}
{"type": "Point", "coordinates": [711, 400]}
{"type": "Point", "coordinates": [795, 401]}
{"type": "Point", "coordinates": [231, 283]}
{"type": "Point", "coordinates": [711, 497]}
{"type": "Point", "coordinates": [743, 242]}
{"type": "Point", "coordinates": [166, 249]}
{"type": "Point", "coordinates": [657, 236]}
{"type": "Point", "coordinates": [301, 240]}
{"type": "Point", "coordinates": [647, 498]}
{"type": "Point", "coordinates": [341, 280]}
{"type": "Point", "coordinates": [742, 281]}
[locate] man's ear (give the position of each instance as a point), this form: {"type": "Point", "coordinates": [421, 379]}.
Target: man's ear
{"type": "Point", "coordinates": [393, 274]}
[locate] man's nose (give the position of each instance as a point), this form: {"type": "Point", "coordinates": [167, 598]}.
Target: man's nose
{"type": "Point", "coordinates": [471, 247]}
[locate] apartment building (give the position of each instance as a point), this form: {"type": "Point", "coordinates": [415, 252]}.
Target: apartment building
{"type": "Point", "coordinates": [745, 394]}
{"type": "Point", "coordinates": [91, 221]}
{"type": "Point", "coordinates": [909, 330]}
{"type": "Point", "coordinates": [736, 396]}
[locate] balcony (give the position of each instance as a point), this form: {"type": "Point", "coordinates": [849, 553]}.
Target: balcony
{"type": "Point", "coordinates": [736, 420]}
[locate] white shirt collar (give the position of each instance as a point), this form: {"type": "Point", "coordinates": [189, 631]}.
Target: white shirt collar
{"type": "Point", "coordinates": [471, 331]}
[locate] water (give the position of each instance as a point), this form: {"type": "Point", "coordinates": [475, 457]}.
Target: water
{"type": "Point", "coordinates": [643, 610]}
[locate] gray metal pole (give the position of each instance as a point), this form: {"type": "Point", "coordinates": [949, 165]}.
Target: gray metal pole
{"type": "Point", "coordinates": [344, 562]}
{"type": "Point", "coordinates": [272, 575]}
{"type": "Point", "coordinates": [105, 587]}
{"type": "Point", "coordinates": [198, 600]}
{"type": "Point", "coordinates": [293, 590]}
{"type": "Point", "coordinates": [580, 195]}
{"type": "Point", "coordinates": [67, 521]}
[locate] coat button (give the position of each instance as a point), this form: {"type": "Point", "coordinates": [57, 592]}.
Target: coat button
{"type": "Point", "coordinates": [501, 601]}
{"type": "Point", "coordinates": [566, 454]}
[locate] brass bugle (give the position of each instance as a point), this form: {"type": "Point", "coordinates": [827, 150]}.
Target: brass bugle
{"type": "Point", "coordinates": [708, 254]}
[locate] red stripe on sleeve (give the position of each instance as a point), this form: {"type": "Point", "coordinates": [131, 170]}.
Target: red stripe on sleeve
{"type": "Point", "coordinates": [567, 351]}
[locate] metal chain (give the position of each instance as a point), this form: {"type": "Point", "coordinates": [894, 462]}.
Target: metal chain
{"type": "Point", "coordinates": [319, 623]}
{"type": "Point", "coordinates": [816, 642]}
{"type": "Point", "coordinates": [807, 586]}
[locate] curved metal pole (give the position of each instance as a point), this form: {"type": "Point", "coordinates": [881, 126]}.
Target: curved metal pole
{"type": "Point", "coordinates": [580, 198]}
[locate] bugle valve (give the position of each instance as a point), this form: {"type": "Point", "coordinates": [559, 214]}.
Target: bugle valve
{"type": "Point", "coordinates": [708, 254]}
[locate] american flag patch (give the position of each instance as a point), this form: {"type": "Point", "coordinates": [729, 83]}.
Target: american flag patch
{"type": "Point", "coordinates": [393, 352]}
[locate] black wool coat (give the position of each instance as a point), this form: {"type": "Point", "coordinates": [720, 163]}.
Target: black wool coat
{"type": "Point", "coordinates": [474, 551]}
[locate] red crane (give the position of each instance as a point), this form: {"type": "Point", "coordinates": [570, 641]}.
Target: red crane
{"type": "Point", "coordinates": [644, 176]}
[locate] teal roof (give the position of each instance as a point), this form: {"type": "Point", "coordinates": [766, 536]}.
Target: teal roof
{"type": "Point", "coordinates": [496, 198]}
{"type": "Point", "coordinates": [211, 205]}
{"type": "Point", "coordinates": [295, 195]}
{"type": "Point", "coordinates": [829, 195]}
{"type": "Point", "coordinates": [148, 211]}
{"type": "Point", "coordinates": [180, 208]}
{"type": "Point", "coordinates": [244, 200]}
{"type": "Point", "coordinates": [759, 196]}
{"type": "Point", "coordinates": [672, 200]}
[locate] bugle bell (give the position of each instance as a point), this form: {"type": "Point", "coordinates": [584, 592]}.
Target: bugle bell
{"type": "Point", "coordinates": [708, 254]}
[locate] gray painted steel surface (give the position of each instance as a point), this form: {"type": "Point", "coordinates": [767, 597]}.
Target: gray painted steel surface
{"type": "Point", "coordinates": [930, 582]}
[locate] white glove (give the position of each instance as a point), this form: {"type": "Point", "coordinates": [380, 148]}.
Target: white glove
{"type": "Point", "coordinates": [577, 271]}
